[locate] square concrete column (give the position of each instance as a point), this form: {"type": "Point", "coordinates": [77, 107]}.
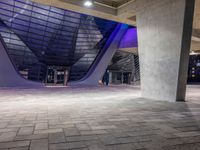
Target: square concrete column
{"type": "Point", "coordinates": [164, 38]}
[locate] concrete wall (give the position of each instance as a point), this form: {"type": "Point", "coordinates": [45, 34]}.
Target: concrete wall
{"type": "Point", "coordinates": [8, 75]}
{"type": "Point", "coordinates": [164, 35]}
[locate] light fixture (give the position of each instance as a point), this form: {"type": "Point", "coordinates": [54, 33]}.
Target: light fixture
{"type": "Point", "coordinates": [88, 3]}
{"type": "Point", "coordinates": [192, 53]}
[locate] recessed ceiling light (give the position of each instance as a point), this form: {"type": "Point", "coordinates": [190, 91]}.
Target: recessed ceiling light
{"type": "Point", "coordinates": [88, 3]}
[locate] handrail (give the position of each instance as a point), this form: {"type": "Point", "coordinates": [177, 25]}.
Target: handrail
{"type": "Point", "coordinates": [101, 54]}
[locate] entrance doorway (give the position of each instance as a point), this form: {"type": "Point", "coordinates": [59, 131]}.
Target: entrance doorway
{"type": "Point", "coordinates": [57, 75]}
{"type": "Point", "coordinates": [120, 77]}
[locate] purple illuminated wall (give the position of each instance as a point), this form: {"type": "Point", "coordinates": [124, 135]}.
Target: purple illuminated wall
{"type": "Point", "coordinates": [129, 39]}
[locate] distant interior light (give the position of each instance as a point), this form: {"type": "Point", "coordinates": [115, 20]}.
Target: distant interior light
{"type": "Point", "coordinates": [193, 53]}
{"type": "Point", "coordinates": [88, 3]}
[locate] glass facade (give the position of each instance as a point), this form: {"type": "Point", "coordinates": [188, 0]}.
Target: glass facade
{"type": "Point", "coordinates": [39, 36]}
{"type": "Point", "coordinates": [194, 68]}
{"type": "Point", "coordinates": [125, 68]}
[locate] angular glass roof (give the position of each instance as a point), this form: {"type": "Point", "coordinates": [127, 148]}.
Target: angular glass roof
{"type": "Point", "coordinates": [51, 36]}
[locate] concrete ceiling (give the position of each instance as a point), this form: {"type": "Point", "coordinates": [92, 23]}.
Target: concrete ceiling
{"type": "Point", "coordinates": [113, 3]}
{"type": "Point", "coordinates": [196, 28]}
{"type": "Point", "coordinates": [119, 10]}
{"type": "Point", "coordinates": [108, 9]}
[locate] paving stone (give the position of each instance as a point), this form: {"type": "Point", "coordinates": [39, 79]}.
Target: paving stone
{"type": "Point", "coordinates": [59, 146]}
{"type": "Point", "coordinates": [194, 146]}
{"type": "Point", "coordinates": [41, 126]}
{"type": "Point", "coordinates": [71, 132]}
{"type": "Point", "coordinates": [9, 130]}
{"type": "Point", "coordinates": [92, 132]}
{"type": "Point", "coordinates": [20, 125]}
{"type": "Point", "coordinates": [20, 148]}
{"type": "Point", "coordinates": [39, 144]}
{"type": "Point", "coordinates": [31, 137]}
{"type": "Point", "coordinates": [3, 125]}
{"type": "Point", "coordinates": [77, 145]}
{"type": "Point", "coordinates": [128, 146]}
{"type": "Point", "coordinates": [103, 127]}
{"type": "Point", "coordinates": [14, 144]}
{"type": "Point", "coordinates": [82, 138]}
{"type": "Point", "coordinates": [83, 126]}
{"type": "Point", "coordinates": [48, 131]}
{"type": "Point", "coordinates": [25, 131]}
{"type": "Point", "coordinates": [96, 147]}
{"type": "Point", "coordinates": [64, 126]}
{"type": "Point", "coordinates": [187, 134]}
{"type": "Point", "coordinates": [56, 138]}
{"type": "Point", "coordinates": [7, 136]}
{"type": "Point", "coordinates": [95, 119]}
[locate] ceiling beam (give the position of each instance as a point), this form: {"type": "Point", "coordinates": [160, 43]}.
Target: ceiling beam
{"type": "Point", "coordinates": [132, 50]}
{"type": "Point", "coordinates": [127, 10]}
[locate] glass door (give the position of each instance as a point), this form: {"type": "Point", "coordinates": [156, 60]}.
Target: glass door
{"type": "Point", "coordinates": [57, 75]}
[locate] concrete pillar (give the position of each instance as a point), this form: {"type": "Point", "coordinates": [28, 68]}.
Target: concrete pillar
{"type": "Point", "coordinates": [164, 36]}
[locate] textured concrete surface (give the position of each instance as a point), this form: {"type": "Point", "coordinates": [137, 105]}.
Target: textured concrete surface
{"type": "Point", "coordinates": [104, 118]}
{"type": "Point", "coordinates": [164, 34]}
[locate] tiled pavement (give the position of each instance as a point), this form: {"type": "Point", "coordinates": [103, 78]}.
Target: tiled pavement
{"type": "Point", "coordinates": [105, 118]}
